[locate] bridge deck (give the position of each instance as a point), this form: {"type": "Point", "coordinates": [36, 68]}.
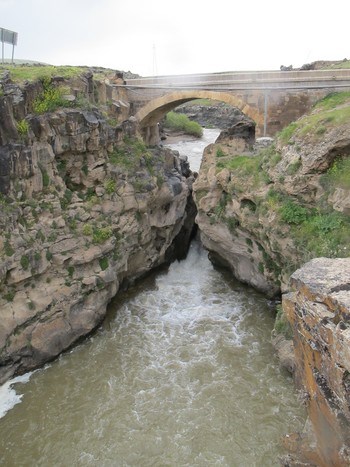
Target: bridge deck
{"type": "Point", "coordinates": [311, 79]}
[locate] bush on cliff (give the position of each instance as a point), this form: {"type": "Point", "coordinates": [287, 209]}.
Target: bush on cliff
{"type": "Point", "coordinates": [180, 122]}
{"type": "Point", "coordinates": [50, 99]}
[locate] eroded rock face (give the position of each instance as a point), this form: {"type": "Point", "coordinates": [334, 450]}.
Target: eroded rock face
{"type": "Point", "coordinates": [319, 312]}
{"type": "Point", "coordinates": [81, 212]}
{"type": "Point", "coordinates": [256, 208]}
{"type": "Point", "coordinates": [223, 214]}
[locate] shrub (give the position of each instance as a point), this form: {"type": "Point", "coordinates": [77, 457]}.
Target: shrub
{"type": "Point", "coordinates": [50, 99]}
{"type": "Point", "coordinates": [87, 229]}
{"type": "Point", "coordinates": [103, 263]}
{"type": "Point", "coordinates": [70, 271]}
{"type": "Point", "coordinates": [24, 262]}
{"type": "Point", "coordinates": [22, 127]}
{"type": "Point", "coordinates": [10, 295]}
{"type": "Point", "coordinates": [220, 152]}
{"type": "Point", "coordinates": [232, 223]}
{"type": "Point", "coordinates": [293, 213]}
{"type": "Point", "coordinates": [46, 179]}
{"type": "Point", "coordinates": [249, 242]}
{"type": "Point", "coordinates": [180, 122]}
{"type": "Point", "coordinates": [66, 200]}
{"type": "Point", "coordinates": [100, 235]}
{"type": "Point", "coordinates": [110, 186]}
{"type": "Point", "coordinates": [9, 251]}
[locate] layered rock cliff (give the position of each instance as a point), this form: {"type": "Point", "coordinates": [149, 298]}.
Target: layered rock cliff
{"type": "Point", "coordinates": [319, 313]}
{"type": "Point", "coordinates": [85, 207]}
{"type": "Point", "coordinates": [266, 213]}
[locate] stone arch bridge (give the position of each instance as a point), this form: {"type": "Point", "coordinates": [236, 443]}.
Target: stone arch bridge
{"type": "Point", "coordinates": [272, 99]}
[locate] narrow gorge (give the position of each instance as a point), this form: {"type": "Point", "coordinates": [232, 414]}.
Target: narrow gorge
{"type": "Point", "coordinates": [87, 209]}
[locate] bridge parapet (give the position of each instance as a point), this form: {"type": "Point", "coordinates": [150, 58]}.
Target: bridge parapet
{"type": "Point", "coordinates": [272, 98]}
{"type": "Point", "coordinates": [247, 80]}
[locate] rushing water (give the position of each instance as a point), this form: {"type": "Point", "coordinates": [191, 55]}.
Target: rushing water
{"type": "Point", "coordinates": [194, 149]}
{"type": "Point", "coordinates": [181, 373]}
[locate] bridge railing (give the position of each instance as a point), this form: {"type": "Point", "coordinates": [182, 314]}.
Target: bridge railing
{"type": "Point", "coordinates": [310, 79]}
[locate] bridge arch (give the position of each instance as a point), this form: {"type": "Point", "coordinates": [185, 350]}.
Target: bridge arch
{"type": "Point", "coordinates": [150, 114]}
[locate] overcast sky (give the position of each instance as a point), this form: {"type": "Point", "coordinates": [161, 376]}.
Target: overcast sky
{"type": "Point", "coordinates": [178, 37]}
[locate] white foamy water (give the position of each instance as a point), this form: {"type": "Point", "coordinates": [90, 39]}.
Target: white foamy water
{"type": "Point", "coordinates": [194, 149]}
{"type": "Point", "coordinates": [8, 396]}
{"type": "Point", "coordinates": [181, 373]}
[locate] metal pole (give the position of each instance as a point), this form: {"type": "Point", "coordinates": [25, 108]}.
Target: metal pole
{"type": "Point", "coordinates": [13, 52]}
{"type": "Point", "coordinates": [265, 111]}
{"type": "Point", "coordinates": [2, 52]}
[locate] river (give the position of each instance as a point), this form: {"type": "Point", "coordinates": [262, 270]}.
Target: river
{"type": "Point", "coordinates": [181, 373]}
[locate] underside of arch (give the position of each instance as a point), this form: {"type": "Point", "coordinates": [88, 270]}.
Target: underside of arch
{"type": "Point", "coordinates": [155, 110]}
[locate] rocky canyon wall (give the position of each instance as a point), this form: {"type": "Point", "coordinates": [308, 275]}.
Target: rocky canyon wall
{"type": "Point", "coordinates": [318, 310]}
{"type": "Point", "coordinates": [264, 214]}
{"type": "Point", "coordinates": [85, 207]}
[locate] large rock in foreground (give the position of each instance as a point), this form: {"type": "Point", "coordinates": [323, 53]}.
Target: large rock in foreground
{"type": "Point", "coordinates": [319, 313]}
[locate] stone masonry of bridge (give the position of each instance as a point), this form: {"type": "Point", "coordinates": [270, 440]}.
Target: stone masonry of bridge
{"type": "Point", "coordinates": [272, 99]}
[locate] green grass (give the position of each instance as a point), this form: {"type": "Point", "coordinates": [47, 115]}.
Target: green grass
{"type": "Point", "coordinates": [180, 122]}
{"type": "Point", "coordinates": [287, 132]}
{"type": "Point", "coordinates": [323, 234]}
{"type": "Point", "coordinates": [338, 175]}
{"type": "Point", "coordinates": [20, 73]}
{"type": "Point", "coordinates": [202, 102]}
{"type": "Point", "coordinates": [326, 118]}
{"type": "Point", "coordinates": [316, 232]}
{"type": "Point", "coordinates": [344, 64]}
{"type": "Point", "coordinates": [333, 100]}
{"type": "Point", "coordinates": [329, 112]}
{"type": "Point", "coordinates": [249, 167]}
{"type": "Point", "coordinates": [245, 165]}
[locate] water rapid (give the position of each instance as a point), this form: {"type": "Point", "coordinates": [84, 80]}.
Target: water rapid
{"type": "Point", "coordinates": [181, 373]}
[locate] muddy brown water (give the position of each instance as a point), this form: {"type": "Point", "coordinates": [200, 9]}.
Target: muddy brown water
{"type": "Point", "coordinates": [181, 373]}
